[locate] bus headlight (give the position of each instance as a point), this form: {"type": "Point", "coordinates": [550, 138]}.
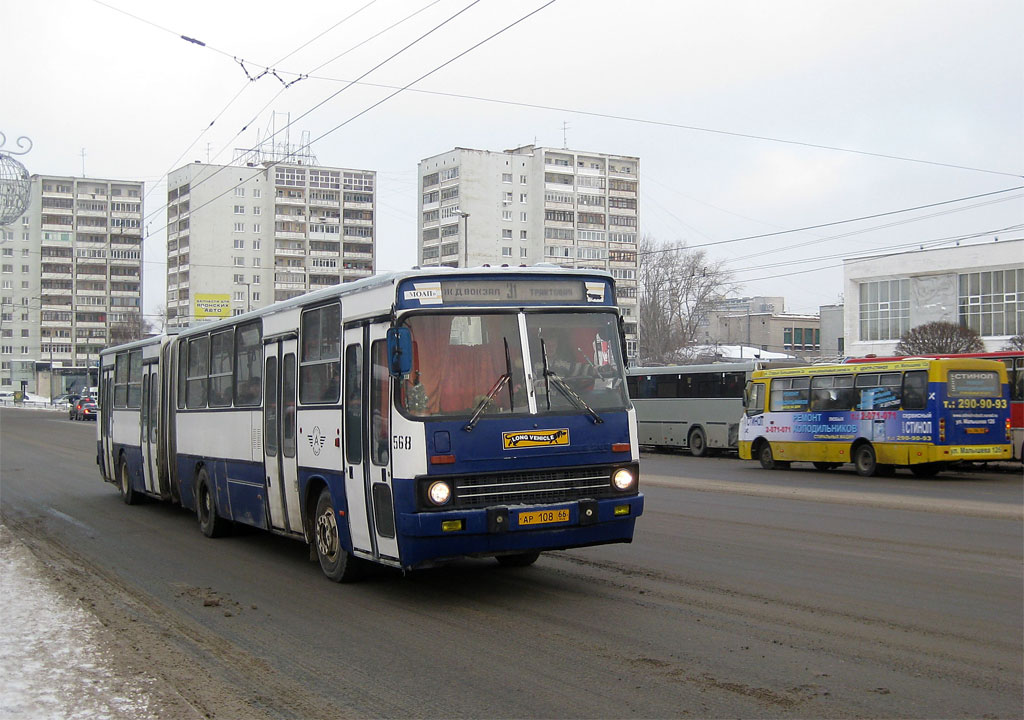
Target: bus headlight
{"type": "Point", "coordinates": [623, 479]}
{"type": "Point", "coordinates": [439, 492]}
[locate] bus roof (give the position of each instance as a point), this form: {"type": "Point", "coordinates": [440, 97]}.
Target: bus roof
{"type": "Point", "coordinates": [875, 367]}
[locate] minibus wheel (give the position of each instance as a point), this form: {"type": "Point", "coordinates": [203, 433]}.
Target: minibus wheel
{"type": "Point", "coordinates": [337, 563]}
{"type": "Point", "coordinates": [765, 457]}
{"type": "Point", "coordinates": [519, 559]}
{"type": "Point", "coordinates": [864, 460]}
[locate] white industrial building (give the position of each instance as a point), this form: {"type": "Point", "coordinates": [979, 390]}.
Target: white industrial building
{"type": "Point", "coordinates": [246, 235]}
{"type": "Point", "coordinates": [70, 276]}
{"type": "Point", "coordinates": [530, 205]}
{"type": "Point", "coordinates": [980, 285]}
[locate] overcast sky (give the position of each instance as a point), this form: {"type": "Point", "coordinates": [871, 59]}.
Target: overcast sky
{"type": "Point", "coordinates": [704, 93]}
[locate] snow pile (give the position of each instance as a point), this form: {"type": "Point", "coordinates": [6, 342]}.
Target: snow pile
{"type": "Point", "coordinates": [50, 663]}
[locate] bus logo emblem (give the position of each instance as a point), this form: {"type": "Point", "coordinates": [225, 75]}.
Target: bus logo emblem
{"type": "Point", "coordinates": [535, 438]}
{"type": "Point", "coordinates": [316, 440]}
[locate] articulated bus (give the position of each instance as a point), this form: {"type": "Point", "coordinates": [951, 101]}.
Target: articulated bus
{"type": "Point", "coordinates": [923, 414]}
{"type": "Point", "coordinates": [692, 407]}
{"type": "Point", "coordinates": [1014, 362]}
{"type": "Point", "coordinates": [403, 419]}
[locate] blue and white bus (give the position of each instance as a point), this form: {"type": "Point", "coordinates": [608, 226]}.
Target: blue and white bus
{"type": "Point", "coordinates": [403, 419]}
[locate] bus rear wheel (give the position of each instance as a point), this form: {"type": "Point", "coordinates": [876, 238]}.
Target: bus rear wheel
{"type": "Point", "coordinates": [210, 523]}
{"type": "Point", "coordinates": [337, 563]}
{"type": "Point", "coordinates": [864, 460]}
{"type": "Point", "coordinates": [124, 486]}
{"type": "Point", "coordinates": [698, 443]}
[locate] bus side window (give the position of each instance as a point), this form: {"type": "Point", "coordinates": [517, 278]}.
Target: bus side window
{"type": "Point", "coordinates": [915, 390]}
{"type": "Point", "coordinates": [1017, 384]}
{"type": "Point", "coordinates": [755, 398]}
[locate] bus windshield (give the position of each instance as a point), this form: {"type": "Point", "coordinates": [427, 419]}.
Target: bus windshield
{"type": "Point", "coordinates": [463, 361]}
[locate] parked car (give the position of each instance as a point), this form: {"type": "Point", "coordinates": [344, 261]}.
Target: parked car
{"type": "Point", "coordinates": [83, 409]}
{"type": "Point", "coordinates": [66, 399]}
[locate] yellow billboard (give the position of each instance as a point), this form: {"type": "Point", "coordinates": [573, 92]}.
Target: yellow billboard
{"type": "Point", "coordinates": [209, 305]}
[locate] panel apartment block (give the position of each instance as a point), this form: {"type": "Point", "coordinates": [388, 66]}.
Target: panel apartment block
{"type": "Point", "coordinates": [242, 237]}
{"type": "Point", "coordinates": [533, 205]}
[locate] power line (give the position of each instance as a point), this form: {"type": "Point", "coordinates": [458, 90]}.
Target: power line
{"type": "Point", "coordinates": [832, 223]}
{"type": "Point", "coordinates": [376, 104]}
{"type": "Point", "coordinates": [680, 126]}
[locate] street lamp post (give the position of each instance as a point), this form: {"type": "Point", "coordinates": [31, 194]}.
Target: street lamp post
{"type": "Point", "coordinates": [465, 239]}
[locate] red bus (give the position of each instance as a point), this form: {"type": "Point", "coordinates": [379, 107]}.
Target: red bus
{"type": "Point", "coordinates": [1014, 362]}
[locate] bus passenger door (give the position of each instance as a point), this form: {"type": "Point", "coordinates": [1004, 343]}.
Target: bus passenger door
{"type": "Point", "coordinates": [357, 499]}
{"type": "Point", "coordinates": [378, 441]}
{"type": "Point", "coordinates": [148, 420]}
{"type": "Point", "coordinates": [107, 420]}
{"type": "Point", "coordinates": [280, 464]}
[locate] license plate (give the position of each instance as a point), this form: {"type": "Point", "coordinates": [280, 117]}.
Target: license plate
{"type": "Point", "coordinates": [543, 517]}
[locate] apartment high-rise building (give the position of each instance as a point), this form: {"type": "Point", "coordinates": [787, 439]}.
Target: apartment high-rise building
{"type": "Point", "coordinates": [243, 236]}
{"type": "Point", "coordinates": [533, 205]}
{"type": "Point", "coordinates": [70, 280]}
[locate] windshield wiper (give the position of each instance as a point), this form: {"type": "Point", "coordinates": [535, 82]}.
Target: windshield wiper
{"type": "Point", "coordinates": [553, 378]}
{"type": "Point", "coordinates": [505, 379]}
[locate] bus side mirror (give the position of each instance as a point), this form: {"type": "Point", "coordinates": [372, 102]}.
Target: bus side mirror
{"type": "Point", "coordinates": [399, 351]}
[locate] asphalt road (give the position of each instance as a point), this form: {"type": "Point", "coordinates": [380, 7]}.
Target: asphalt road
{"type": "Point", "coordinates": [745, 593]}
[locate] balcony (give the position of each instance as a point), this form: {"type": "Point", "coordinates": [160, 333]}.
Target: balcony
{"type": "Point", "coordinates": [289, 252]}
{"type": "Point", "coordinates": [280, 200]}
{"type": "Point", "coordinates": [286, 235]}
{"type": "Point", "coordinates": [289, 218]}
{"type": "Point", "coordinates": [289, 285]}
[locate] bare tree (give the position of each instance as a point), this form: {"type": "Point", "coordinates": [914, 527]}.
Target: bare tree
{"type": "Point", "coordinates": [1015, 343]}
{"type": "Point", "coordinates": [939, 337]}
{"type": "Point", "coordinates": [677, 288]}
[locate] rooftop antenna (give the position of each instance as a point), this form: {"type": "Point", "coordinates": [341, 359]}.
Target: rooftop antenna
{"type": "Point", "coordinates": [565, 142]}
{"type": "Point", "coordinates": [83, 161]}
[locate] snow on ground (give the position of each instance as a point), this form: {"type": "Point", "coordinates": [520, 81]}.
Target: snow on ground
{"type": "Point", "coordinates": [51, 662]}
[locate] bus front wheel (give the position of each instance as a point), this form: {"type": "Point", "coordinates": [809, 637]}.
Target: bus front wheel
{"type": "Point", "coordinates": [864, 460]}
{"type": "Point", "coordinates": [765, 457]}
{"type": "Point", "coordinates": [698, 443]}
{"type": "Point", "coordinates": [338, 564]}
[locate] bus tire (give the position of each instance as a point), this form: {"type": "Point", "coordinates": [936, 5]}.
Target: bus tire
{"type": "Point", "coordinates": [698, 443]}
{"type": "Point", "coordinates": [519, 559]}
{"type": "Point", "coordinates": [124, 484]}
{"type": "Point", "coordinates": [864, 460]}
{"type": "Point", "coordinates": [926, 470]}
{"type": "Point", "coordinates": [765, 457]}
{"type": "Point", "coordinates": [210, 523]}
{"type": "Point", "coordinates": [337, 563]}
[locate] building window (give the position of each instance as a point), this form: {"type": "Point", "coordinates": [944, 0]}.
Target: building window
{"type": "Point", "coordinates": [522, 179]}
{"type": "Point", "coordinates": [256, 243]}
{"type": "Point", "coordinates": [522, 235]}
{"type": "Point", "coordinates": [239, 192]}
{"type": "Point", "coordinates": [256, 262]}
{"type": "Point", "coordinates": [257, 210]}
{"type": "Point", "coordinates": [522, 252]}
{"type": "Point", "coordinates": [506, 177]}
{"type": "Point", "coordinates": [992, 302]}
{"type": "Point", "coordinates": [506, 215]}
{"type": "Point", "coordinates": [522, 217]}
{"type": "Point", "coordinates": [508, 198]}
{"type": "Point", "coordinates": [256, 192]}
{"type": "Point", "coordinates": [506, 252]}
{"type": "Point", "coordinates": [239, 209]}
{"type": "Point", "coordinates": [256, 227]}
{"type": "Point", "coordinates": [506, 234]}
{"type": "Point", "coordinates": [239, 278]}
{"type": "Point", "coordinates": [522, 198]}
{"type": "Point", "coordinates": [239, 262]}
{"type": "Point", "coordinates": [884, 309]}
